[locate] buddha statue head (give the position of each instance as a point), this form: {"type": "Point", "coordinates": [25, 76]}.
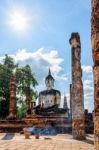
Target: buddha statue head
{"type": "Point", "coordinates": [49, 81]}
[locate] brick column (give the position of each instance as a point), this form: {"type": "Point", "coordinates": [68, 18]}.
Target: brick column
{"type": "Point", "coordinates": [12, 106]}
{"type": "Point", "coordinates": [78, 125]}
{"type": "Point", "coordinates": [95, 52]}
{"type": "Point", "coordinates": [28, 109]}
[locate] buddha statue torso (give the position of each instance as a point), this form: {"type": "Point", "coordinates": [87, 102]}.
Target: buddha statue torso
{"type": "Point", "coordinates": [49, 98]}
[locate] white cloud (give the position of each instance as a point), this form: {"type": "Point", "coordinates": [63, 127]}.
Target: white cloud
{"type": "Point", "coordinates": [50, 57]}
{"type": "Point", "coordinates": [40, 61]}
{"type": "Point", "coordinates": [87, 69]}
{"type": "Point", "coordinates": [1, 59]}
{"type": "Point", "coordinates": [88, 85]}
{"type": "Point", "coordinates": [22, 55]}
{"type": "Point", "coordinates": [87, 82]}
{"type": "Point", "coordinates": [61, 77]}
{"type": "Point", "coordinates": [88, 93]}
{"type": "Point", "coordinates": [44, 60]}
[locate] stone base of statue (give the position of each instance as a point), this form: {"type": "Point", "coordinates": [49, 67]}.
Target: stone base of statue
{"type": "Point", "coordinates": [51, 111]}
{"type": "Point", "coordinates": [49, 119]}
{"type": "Point", "coordinates": [11, 117]}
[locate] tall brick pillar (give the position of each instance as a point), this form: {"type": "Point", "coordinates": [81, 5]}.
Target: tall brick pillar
{"type": "Point", "coordinates": [28, 109]}
{"type": "Point", "coordinates": [95, 51]}
{"type": "Point", "coordinates": [78, 125]}
{"type": "Point", "coordinates": [12, 106]}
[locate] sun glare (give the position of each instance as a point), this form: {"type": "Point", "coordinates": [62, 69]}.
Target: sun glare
{"type": "Point", "coordinates": [19, 21]}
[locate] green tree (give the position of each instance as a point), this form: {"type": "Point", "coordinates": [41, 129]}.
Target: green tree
{"type": "Point", "coordinates": [6, 70]}
{"type": "Point", "coordinates": [21, 110]}
{"type": "Point", "coordinates": [26, 85]}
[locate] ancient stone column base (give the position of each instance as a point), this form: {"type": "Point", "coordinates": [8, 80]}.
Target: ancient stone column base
{"type": "Point", "coordinates": [78, 129]}
{"type": "Point", "coordinates": [96, 130]}
{"type": "Point", "coordinates": [11, 116]}
{"type": "Point", "coordinates": [97, 143]}
{"type": "Point", "coordinates": [78, 134]}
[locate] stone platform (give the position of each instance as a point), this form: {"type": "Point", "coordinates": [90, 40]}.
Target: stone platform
{"type": "Point", "coordinates": [62, 124]}
{"type": "Point", "coordinates": [15, 141]}
{"type": "Point", "coordinates": [12, 125]}
{"type": "Point", "coordinates": [37, 120]}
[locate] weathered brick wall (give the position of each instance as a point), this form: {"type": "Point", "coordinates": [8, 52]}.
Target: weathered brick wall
{"type": "Point", "coordinates": [95, 51]}
{"type": "Point", "coordinates": [78, 124]}
{"type": "Point", "coordinates": [12, 107]}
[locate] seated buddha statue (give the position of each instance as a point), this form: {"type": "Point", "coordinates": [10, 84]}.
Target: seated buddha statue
{"type": "Point", "coordinates": [49, 99]}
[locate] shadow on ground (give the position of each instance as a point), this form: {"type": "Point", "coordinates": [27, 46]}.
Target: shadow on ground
{"type": "Point", "coordinates": [89, 139]}
{"type": "Point", "coordinates": [8, 136]}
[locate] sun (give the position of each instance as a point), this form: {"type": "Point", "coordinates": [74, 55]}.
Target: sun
{"type": "Point", "coordinates": [18, 20]}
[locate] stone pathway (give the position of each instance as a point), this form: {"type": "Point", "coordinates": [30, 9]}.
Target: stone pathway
{"type": "Point", "coordinates": [59, 142]}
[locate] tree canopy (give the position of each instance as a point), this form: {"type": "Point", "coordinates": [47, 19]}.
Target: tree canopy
{"type": "Point", "coordinates": [26, 82]}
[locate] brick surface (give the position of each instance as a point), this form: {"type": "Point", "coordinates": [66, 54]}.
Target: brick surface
{"type": "Point", "coordinates": [59, 142]}
{"type": "Point", "coordinates": [95, 52]}
{"type": "Point", "coordinates": [76, 89]}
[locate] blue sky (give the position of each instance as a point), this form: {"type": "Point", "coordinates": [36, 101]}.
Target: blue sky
{"type": "Point", "coordinates": [45, 41]}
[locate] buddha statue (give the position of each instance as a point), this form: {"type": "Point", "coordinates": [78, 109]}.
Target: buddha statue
{"type": "Point", "coordinates": [49, 99]}
{"type": "Point", "coordinates": [50, 96]}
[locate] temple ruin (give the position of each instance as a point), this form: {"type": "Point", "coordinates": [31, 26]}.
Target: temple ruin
{"type": "Point", "coordinates": [48, 110]}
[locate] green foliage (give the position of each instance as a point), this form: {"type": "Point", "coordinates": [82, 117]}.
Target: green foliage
{"type": "Point", "coordinates": [21, 110]}
{"type": "Point", "coordinates": [26, 82]}
{"type": "Point", "coordinates": [6, 69]}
